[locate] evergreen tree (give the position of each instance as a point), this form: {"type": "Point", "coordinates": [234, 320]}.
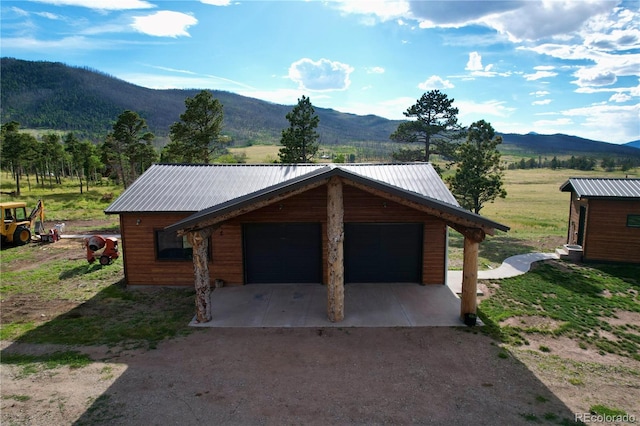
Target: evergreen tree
{"type": "Point", "coordinates": [478, 178]}
{"type": "Point", "coordinates": [300, 140]}
{"type": "Point", "coordinates": [17, 150]}
{"type": "Point", "coordinates": [196, 137]}
{"type": "Point", "coordinates": [435, 125]}
{"type": "Point", "coordinates": [132, 144]}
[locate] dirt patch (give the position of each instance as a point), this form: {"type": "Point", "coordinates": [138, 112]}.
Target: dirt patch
{"type": "Point", "coordinates": [623, 318]}
{"type": "Point", "coordinates": [29, 308]}
{"type": "Point", "coordinates": [537, 322]}
{"type": "Point", "coordinates": [294, 376]}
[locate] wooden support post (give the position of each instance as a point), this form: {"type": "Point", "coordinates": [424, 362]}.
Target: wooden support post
{"type": "Point", "coordinates": [199, 240]}
{"type": "Point", "coordinates": [468, 303]}
{"type": "Point", "coordinates": [335, 255]}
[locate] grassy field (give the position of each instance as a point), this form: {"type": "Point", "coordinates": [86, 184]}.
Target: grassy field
{"type": "Point", "coordinates": [258, 154]}
{"type": "Point", "coordinates": [64, 202]}
{"type": "Point", "coordinates": [536, 211]}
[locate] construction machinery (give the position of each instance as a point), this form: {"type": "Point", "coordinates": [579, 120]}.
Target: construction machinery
{"type": "Point", "coordinates": [108, 245]}
{"type": "Point", "coordinates": [17, 226]}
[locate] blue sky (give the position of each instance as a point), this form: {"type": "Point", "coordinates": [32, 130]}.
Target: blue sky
{"type": "Point", "coordinates": [545, 66]}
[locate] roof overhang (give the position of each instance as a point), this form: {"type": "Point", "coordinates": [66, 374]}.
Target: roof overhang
{"type": "Point", "coordinates": [453, 215]}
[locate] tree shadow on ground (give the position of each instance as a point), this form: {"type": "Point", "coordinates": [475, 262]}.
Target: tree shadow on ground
{"type": "Point", "coordinates": [116, 316]}
{"type": "Point", "coordinates": [495, 249]}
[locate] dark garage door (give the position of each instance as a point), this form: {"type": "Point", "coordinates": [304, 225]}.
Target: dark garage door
{"type": "Point", "coordinates": [282, 253]}
{"type": "Point", "coordinates": [383, 253]}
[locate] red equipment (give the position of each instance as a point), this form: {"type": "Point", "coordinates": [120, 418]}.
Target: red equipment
{"type": "Point", "coordinates": [97, 242]}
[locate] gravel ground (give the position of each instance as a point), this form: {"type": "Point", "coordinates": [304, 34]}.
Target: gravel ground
{"type": "Point", "coordinates": [440, 376]}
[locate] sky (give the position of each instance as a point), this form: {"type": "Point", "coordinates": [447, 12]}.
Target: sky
{"type": "Point", "coordinates": [544, 66]}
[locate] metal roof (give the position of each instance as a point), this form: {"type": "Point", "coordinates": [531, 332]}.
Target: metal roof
{"type": "Point", "coordinates": [603, 187]}
{"type": "Point", "coordinates": [211, 191]}
{"type": "Point", "coordinates": [191, 188]}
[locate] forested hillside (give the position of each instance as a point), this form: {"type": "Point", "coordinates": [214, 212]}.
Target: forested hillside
{"type": "Point", "coordinates": [55, 96]}
{"type": "Point", "coordinates": [48, 95]}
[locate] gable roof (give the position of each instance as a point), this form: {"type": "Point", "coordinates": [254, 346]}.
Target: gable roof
{"type": "Point", "coordinates": [603, 187]}
{"type": "Point", "coordinates": [191, 188]}
{"type": "Point", "coordinates": [210, 191]}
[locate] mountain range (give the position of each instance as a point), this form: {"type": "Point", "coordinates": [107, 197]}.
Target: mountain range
{"type": "Point", "coordinates": [52, 95]}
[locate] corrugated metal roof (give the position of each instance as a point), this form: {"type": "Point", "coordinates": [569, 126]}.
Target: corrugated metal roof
{"type": "Point", "coordinates": [603, 187]}
{"type": "Point", "coordinates": [191, 188]}
{"type": "Point", "coordinates": [211, 191]}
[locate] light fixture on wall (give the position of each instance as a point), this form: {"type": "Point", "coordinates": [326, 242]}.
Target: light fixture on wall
{"type": "Point", "coordinates": [138, 221]}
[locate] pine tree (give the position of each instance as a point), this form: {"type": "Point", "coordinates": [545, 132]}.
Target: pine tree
{"type": "Point", "coordinates": [196, 137]}
{"type": "Point", "coordinates": [300, 140]}
{"type": "Point", "coordinates": [435, 125]}
{"type": "Point", "coordinates": [478, 178]}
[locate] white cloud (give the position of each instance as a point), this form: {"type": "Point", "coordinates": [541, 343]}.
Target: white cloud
{"type": "Point", "coordinates": [435, 82]}
{"type": "Point", "coordinates": [605, 122]}
{"type": "Point", "coordinates": [216, 2]}
{"type": "Point", "coordinates": [376, 10]}
{"type": "Point", "coordinates": [18, 11]}
{"type": "Point", "coordinates": [50, 15]}
{"type": "Point", "coordinates": [474, 63]}
{"type": "Point", "coordinates": [102, 4]}
{"type": "Point", "coordinates": [620, 97]}
{"type": "Point", "coordinates": [160, 82]}
{"type": "Point", "coordinates": [594, 77]}
{"type": "Point", "coordinates": [375, 70]}
{"type": "Point", "coordinates": [539, 93]}
{"type": "Point", "coordinates": [538, 19]}
{"type": "Point", "coordinates": [632, 91]}
{"type": "Point", "coordinates": [518, 19]}
{"type": "Point", "coordinates": [471, 111]}
{"type": "Point", "coordinates": [164, 24]}
{"type": "Point", "coordinates": [322, 75]}
{"type": "Point", "coordinates": [67, 43]}
{"type": "Point", "coordinates": [542, 102]}
{"type": "Point", "coordinates": [539, 74]}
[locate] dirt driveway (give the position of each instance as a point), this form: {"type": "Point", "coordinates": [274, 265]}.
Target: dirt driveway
{"type": "Point", "coordinates": [291, 376]}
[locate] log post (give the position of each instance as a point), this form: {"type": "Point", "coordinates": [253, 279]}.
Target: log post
{"type": "Point", "coordinates": [199, 240]}
{"type": "Point", "coordinates": [468, 303]}
{"type": "Point", "coordinates": [335, 255]}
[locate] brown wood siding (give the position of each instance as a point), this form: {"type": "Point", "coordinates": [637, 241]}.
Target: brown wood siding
{"type": "Point", "coordinates": [139, 248]}
{"type": "Point", "coordinates": [142, 268]}
{"type": "Point", "coordinates": [608, 237]}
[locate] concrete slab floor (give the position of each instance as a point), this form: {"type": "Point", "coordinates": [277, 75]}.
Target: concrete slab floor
{"type": "Point", "coordinates": [304, 305]}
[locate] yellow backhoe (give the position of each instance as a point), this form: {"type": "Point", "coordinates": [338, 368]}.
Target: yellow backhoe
{"type": "Point", "coordinates": [17, 227]}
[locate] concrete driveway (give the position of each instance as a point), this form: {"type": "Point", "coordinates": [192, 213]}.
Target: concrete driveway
{"type": "Point", "coordinates": [304, 305]}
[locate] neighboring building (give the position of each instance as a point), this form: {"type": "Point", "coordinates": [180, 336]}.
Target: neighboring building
{"type": "Point", "coordinates": [306, 223]}
{"type": "Point", "coordinates": [604, 219]}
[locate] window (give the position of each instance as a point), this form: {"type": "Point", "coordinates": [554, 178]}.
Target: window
{"type": "Point", "coordinates": [633, 220]}
{"type": "Point", "coordinates": [169, 246]}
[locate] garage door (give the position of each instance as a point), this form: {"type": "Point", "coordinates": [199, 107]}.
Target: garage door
{"type": "Point", "coordinates": [383, 253]}
{"type": "Point", "coordinates": [282, 253]}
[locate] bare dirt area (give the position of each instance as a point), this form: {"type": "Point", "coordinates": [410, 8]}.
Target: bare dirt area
{"type": "Point", "coordinates": [292, 376]}
{"type": "Point", "coordinates": [257, 376]}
